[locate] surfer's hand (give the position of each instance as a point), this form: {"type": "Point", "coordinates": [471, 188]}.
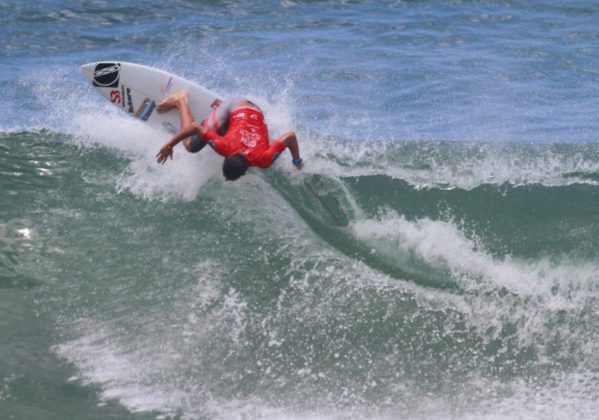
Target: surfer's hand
{"type": "Point", "coordinates": [164, 153]}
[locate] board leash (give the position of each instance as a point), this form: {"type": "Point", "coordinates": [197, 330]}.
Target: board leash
{"type": "Point", "coordinates": [322, 201]}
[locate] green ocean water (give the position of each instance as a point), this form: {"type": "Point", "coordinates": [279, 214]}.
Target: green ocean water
{"type": "Point", "coordinates": [328, 294]}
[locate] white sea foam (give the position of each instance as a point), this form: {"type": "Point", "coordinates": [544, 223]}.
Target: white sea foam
{"type": "Point", "coordinates": [443, 245]}
{"type": "Point", "coordinates": [120, 371]}
{"type": "Point", "coordinates": [182, 177]}
{"type": "Point", "coordinates": [572, 394]}
{"type": "Point", "coordinates": [454, 165]}
{"type": "Point", "coordinates": [539, 290]}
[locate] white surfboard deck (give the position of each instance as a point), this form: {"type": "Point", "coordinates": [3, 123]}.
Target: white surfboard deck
{"type": "Point", "coordinates": [137, 89]}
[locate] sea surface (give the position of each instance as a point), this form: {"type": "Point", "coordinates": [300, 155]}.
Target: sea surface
{"type": "Point", "coordinates": [437, 257]}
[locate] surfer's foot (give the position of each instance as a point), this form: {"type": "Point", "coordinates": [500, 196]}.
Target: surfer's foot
{"type": "Point", "coordinates": [176, 100]}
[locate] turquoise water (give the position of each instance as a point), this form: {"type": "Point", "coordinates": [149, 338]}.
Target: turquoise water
{"type": "Point", "coordinates": [436, 258]}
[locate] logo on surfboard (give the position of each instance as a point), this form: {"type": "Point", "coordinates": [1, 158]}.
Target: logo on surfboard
{"type": "Point", "coordinates": [106, 75]}
{"type": "Point", "coordinates": [164, 89]}
{"type": "Point", "coordinates": [115, 97]}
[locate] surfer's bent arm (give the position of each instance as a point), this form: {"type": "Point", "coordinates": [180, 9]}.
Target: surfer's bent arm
{"type": "Point", "coordinates": [167, 149]}
{"type": "Point", "coordinates": [289, 140]}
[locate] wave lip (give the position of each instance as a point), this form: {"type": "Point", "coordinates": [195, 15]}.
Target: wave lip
{"type": "Point", "coordinates": [462, 165]}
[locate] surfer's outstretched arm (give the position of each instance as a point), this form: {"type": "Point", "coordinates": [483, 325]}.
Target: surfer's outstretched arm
{"type": "Point", "coordinates": [189, 127]}
{"type": "Point", "coordinates": [290, 141]}
{"type": "Point", "coordinates": [167, 149]}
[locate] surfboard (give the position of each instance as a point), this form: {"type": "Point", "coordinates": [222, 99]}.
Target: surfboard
{"type": "Point", "coordinates": [137, 89]}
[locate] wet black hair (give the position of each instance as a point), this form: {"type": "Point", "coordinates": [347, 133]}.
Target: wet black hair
{"type": "Point", "coordinates": [235, 166]}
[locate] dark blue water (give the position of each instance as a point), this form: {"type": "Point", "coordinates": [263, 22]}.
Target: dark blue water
{"type": "Point", "coordinates": [436, 258]}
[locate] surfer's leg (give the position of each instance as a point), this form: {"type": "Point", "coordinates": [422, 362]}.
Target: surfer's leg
{"type": "Point", "coordinates": [180, 101]}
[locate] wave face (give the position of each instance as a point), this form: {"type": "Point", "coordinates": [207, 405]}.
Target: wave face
{"type": "Point", "coordinates": [312, 294]}
{"type": "Point", "coordinates": [436, 258]}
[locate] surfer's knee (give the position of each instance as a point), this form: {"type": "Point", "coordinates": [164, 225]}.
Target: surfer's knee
{"type": "Point", "coordinates": [194, 144]}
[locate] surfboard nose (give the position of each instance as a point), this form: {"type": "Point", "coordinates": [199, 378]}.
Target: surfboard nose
{"type": "Point", "coordinates": [88, 70]}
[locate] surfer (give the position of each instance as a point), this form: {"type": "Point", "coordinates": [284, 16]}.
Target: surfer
{"type": "Point", "coordinates": [235, 130]}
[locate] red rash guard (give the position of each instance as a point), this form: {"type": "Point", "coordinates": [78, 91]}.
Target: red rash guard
{"type": "Point", "coordinates": [247, 134]}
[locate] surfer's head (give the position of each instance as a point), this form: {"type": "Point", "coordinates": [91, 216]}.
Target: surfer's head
{"type": "Point", "coordinates": [235, 166]}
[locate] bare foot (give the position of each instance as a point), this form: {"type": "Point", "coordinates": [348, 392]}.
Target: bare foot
{"type": "Point", "coordinates": [172, 101]}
